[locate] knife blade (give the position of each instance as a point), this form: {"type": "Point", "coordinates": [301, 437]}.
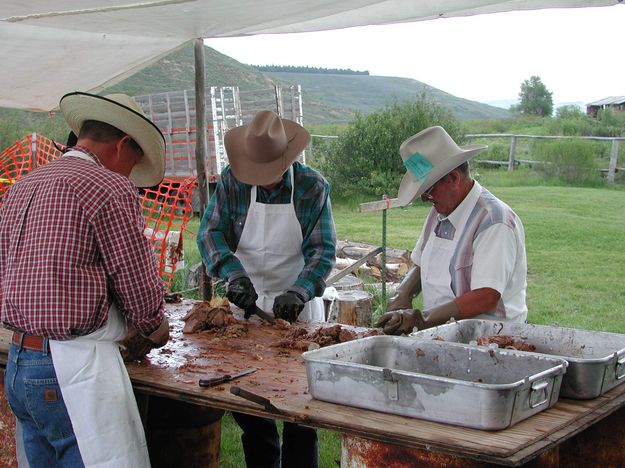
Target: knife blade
{"type": "Point", "coordinates": [261, 313]}
{"type": "Point", "coordinates": [212, 381]}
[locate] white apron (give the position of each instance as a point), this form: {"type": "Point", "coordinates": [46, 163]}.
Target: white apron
{"type": "Point", "coordinates": [98, 394]}
{"type": "Point", "coordinates": [270, 249]}
{"type": "Point", "coordinates": [99, 398]}
{"type": "Point", "coordinates": [435, 276]}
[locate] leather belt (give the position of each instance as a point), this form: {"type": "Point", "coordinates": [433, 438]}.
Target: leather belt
{"type": "Point", "coordinates": [35, 343]}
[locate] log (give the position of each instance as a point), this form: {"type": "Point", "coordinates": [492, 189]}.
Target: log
{"type": "Point", "coordinates": [355, 250]}
{"type": "Point", "coordinates": [354, 308]}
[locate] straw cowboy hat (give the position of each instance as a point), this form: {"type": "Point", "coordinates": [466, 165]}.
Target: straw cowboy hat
{"type": "Point", "coordinates": [260, 152]}
{"type": "Point", "coordinates": [123, 113]}
{"type": "Point", "coordinates": [429, 156]}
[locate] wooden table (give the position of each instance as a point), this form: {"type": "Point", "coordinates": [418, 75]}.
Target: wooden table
{"type": "Point", "coordinates": [555, 434]}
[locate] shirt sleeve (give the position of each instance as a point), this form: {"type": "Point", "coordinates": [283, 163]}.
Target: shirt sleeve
{"type": "Point", "coordinates": [319, 245]}
{"type": "Point", "coordinates": [213, 235]}
{"type": "Point", "coordinates": [133, 279]}
{"type": "Point", "coordinates": [494, 258]}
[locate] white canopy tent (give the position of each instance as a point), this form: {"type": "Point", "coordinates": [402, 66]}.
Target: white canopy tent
{"type": "Point", "coordinates": [51, 47]}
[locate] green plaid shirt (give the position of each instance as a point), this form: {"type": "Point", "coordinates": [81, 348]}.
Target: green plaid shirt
{"type": "Point", "coordinates": [224, 219]}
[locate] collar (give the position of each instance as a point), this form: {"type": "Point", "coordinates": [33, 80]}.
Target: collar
{"type": "Point", "coordinates": [460, 215]}
{"type": "Point", "coordinates": [85, 151]}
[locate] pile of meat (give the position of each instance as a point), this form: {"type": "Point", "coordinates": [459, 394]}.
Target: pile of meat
{"type": "Point", "coordinates": [301, 339]}
{"type": "Point", "coordinates": [213, 315]}
{"type": "Point", "coordinates": [506, 341]}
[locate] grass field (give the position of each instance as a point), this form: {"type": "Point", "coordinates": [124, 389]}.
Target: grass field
{"type": "Point", "coordinates": [575, 242]}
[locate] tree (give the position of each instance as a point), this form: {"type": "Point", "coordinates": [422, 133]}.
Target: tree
{"type": "Point", "coordinates": [364, 160]}
{"type": "Point", "coordinates": [536, 99]}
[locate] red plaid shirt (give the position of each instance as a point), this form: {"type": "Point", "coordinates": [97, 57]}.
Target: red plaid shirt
{"type": "Point", "coordinates": [71, 242]}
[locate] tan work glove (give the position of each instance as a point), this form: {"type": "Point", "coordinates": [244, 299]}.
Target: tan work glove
{"type": "Point", "coordinates": [401, 322]}
{"type": "Point", "coordinates": [135, 346]}
{"type": "Point", "coordinates": [441, 314]}
{"type": "Point", "coordinates": [407, 289]}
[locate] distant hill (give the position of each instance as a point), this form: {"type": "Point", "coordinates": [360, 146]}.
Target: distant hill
{"type": "Point", "coordinates": [327, 98]}
{"type": "Point", "coordinates": [365, 93]}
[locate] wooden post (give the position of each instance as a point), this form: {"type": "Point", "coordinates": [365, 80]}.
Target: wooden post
{"type": "Point", "coordinates": [201, 147]}
{"type": "Point", "coordinates": [613, 159]}
{"type": "Point", "coordinates": [511, 157]}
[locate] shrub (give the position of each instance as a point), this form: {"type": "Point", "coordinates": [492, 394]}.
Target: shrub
{"type": "Point", "coordinates": [573, 161]}
{"type": "Point", "coordinates": [365, 159]}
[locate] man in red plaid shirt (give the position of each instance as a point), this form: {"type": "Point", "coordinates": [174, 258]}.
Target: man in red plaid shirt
{"type": "Point", "coordinates": [75, 272]}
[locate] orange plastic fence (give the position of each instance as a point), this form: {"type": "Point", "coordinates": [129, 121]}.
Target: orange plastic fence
{"type": "Point", "coordinates": [166, 209]}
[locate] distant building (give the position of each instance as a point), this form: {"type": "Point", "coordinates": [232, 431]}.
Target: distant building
{"type": "Point", "coordinates": [616, 103]}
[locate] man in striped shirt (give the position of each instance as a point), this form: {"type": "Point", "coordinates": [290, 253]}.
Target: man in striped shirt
{"type": "Point", "coordinates": [268, 231]}
{"type": "Point", "coordinates": [469, 261]}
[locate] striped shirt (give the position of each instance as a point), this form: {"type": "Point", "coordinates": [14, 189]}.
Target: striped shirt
{"type": "Point", "coordinates": [488, 252]}
{"type": "Point", "coordinates": [224, 219]}
{"type": "Point", "coordinates": [71, 243]}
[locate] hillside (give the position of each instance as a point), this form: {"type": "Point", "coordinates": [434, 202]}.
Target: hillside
{"type": "Point", "coordinates": [327, 98]}
{"type": "Point", "coordinates": [365, 94]}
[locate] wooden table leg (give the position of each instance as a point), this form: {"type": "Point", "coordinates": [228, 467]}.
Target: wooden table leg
{"type": "Point", "coordinates": [182, 434]}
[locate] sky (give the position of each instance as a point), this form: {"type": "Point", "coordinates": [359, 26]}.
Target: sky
{"type": "Point", "coordinates": [576, 52]}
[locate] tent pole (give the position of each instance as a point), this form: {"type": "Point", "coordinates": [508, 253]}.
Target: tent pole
{"type": "Point", "coordinates": [200, 147]}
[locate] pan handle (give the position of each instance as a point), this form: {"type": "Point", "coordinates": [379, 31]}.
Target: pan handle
{"type": "Point", "coordinates": [619, 370]}
{"type": "Point", "coordinates": [539, 393]}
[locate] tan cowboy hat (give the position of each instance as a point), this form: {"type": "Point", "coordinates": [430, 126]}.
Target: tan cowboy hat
{"type": "Point", "coordinates": [260, 152]}
{"type": "Point", "coordinates": [429, 156]}
{"type": "Point", "coordinates": [123, 113]}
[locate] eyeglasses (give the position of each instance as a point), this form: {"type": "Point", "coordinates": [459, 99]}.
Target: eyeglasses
{"type": "Point", "coordinates": [427, 193]}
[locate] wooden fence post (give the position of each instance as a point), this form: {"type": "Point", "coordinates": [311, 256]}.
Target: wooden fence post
{"type": "Point", "coordinates": [512, 151]}
{"type": "Point", "coordinates": [613, 158]}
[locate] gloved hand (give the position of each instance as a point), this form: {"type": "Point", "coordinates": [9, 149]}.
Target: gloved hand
{"type": "Point", "coordinates": [399, 322]}
{"type": "Point", "coordinates": [288, 306]}
{"type": "Point", "coordinates": [135, 346]}
{"type": "Point", "coordinates": [241, 293]}
{"type": "Point", "coordinates": [407, 289]}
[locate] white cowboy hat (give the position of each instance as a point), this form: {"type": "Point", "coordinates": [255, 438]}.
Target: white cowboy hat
{"type": "Point", "coordinates": [429, 156]}
{"type": "Point", "coordinates": [123, 113]}
{"type": "Point", "coordinates": [260, 152]}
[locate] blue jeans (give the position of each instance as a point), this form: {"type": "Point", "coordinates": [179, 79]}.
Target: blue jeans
{"type": "Point", "coordinates": [261, 443]}
{"type": "Point", "coordinates": [35, 398]}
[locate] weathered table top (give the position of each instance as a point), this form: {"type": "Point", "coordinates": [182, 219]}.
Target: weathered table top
{"type": "Point", "coordinates": [174, 371]}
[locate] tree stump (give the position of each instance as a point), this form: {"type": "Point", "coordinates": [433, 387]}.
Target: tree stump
{"type": "Point", "coordinates": [354, 308]}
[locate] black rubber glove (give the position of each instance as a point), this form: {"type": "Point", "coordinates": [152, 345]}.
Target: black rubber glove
{"type": "Point", "coordinates": [241, 293]}
{"type": "Point", "coordinates": [288, 306]}
{"type": "Point", "coordinates": [400, 322]}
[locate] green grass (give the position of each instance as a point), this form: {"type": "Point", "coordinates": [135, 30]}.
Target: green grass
{"type": "Point", "coordinates": [231, 455]}
{"type": "Point", "coordinates": [576, 261]}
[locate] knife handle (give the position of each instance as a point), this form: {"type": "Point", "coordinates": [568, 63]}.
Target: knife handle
{"type": "Point", "coordinates": [214, 381]}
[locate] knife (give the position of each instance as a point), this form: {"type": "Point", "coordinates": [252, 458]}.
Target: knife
{"type": "Point", "coordinates": [258, 399]}
{"type": "Point", "coordinates": [261, 313]}
{"type": "Point", "coordinates": [212, 381]}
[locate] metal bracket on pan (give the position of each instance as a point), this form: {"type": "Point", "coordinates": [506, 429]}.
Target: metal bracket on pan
{"type": "Point", "coordinates": [391, 384]}
{"type": "Point", "coordinates": [619, 370]}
